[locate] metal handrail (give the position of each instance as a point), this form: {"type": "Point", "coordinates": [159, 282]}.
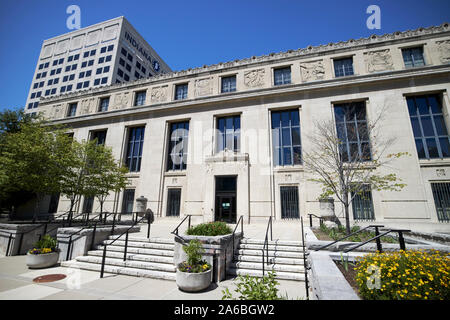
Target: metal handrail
{"type": "Point", "coordinates": [241, 219]}
{"type": "Point", "coordinates": [69, 246]}
{"type": "Point", "coordinates": [175, 231]}
{"type": "Point", "coordinates": [401, 240]}
{"type": "Point", "coordinates": [351, 234]}
{"type": "Point", "coordinates": [305, 262]}
{"type": "Point", "coordinates": [146, 216]}
{"type": "Point", "coordinates": [266, 243]}
{"type": "Point", "coordinates": [313, 215]}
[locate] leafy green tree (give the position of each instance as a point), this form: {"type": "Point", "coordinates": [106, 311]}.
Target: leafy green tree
{"type": "Point", "coordinates": [33, 158]}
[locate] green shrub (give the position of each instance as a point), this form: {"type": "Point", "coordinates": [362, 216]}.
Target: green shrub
{"type": "Point", "coordinates": [405, 275]}
{"type": "Point", "coordinates": [194, 262]}
{"type": "Point", "coordinates": [340, 232]}
{"type": "Point", "coordinates": [217, 228]}
{"type": "Point", "coordinates": [254, 288]}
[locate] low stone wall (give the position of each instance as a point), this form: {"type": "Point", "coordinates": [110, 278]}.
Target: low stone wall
{"type": "Point", "coordinates": [326, 280]}
{"type": "Point", "coordinates": [220, 247]}
{"type": "Point", "coordinates": [82, 241]}
{"type": "Point", "coordinates": [28, 232]}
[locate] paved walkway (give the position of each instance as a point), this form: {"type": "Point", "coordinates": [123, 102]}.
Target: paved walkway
{"type": "Point", "coordinates": [16, 280]}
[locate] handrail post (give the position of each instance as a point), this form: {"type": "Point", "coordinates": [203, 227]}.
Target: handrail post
{"type": "Point", "coordinates": [263, 262]}
{"type": "Point", "coordinates": [149, 224]}
{"type": "Point", "coordinates": [114, 224]}
{"type": "Point", "coordinates": [189, 222]}
{"type": "Point", "coordinates": [20, 243]}
{"type": "Point", "coordinates": [93, 235]}
{"type": "Point", "coordinates": [87, 218]}
{"type": "Point", "coordinates": [401, 240]}
{"type": "Point", "coordinates": [9, 244]}
{"type": "Point", "coordinates": [102, 269]}
{"type": "Point", "coordinates": [69, 247]}
{"type": "Point", "coordinates": [310, 220]}
{"type": "Point", "coordinates": [377, 233]}
{"type": "Point", "coordinates": [305, 263]}
{"type": "Point", "coordinates": [126, 245]}
{"type": "Point", "coordinates": [242, 226]}
{"type": "Point", "coordinates": [271, 238]}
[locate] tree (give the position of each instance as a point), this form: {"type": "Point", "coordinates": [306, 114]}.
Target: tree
{"type": "Point", "coordinates": [105, 174]}
{"type": "Point", "coordinates": [33, 157]}
{"type": "Point", "coordinates": [345, 170]}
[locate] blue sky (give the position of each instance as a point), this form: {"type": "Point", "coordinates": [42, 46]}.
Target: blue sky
{"type": "Point", "coordinates": [192, 33]}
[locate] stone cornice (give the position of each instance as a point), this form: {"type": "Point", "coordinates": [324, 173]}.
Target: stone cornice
{"type": "Point", "coordinates": [265, 92]}
{"type": "Point", "coordinates": [248, 62]}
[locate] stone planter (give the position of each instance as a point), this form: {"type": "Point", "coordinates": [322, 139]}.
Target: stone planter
{"type": "Point", "coordinates": [39, 261]}
{"type": "Point", "coordinates": [193, 282]}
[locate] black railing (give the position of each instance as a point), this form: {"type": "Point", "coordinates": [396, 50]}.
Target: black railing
{"type": "Point", "coordinates": [70, 236]}
{"type": "Point", "coordinates": [135, 222]}
{"type": "Point", "coordinates": [240, 221]}
{"type": "Point", "coordinates": [377, 238]}
{"type": "Point", "coordinates": [311, 215]}
{"type": "Point", "coordinates": [266, 244]}
{"type": "Point", "coordinates": [305, 260]}
{"type": "Point", "coordinates": [175, 231]}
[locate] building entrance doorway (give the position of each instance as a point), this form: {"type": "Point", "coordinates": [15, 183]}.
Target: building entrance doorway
{"type": "Point", "coordinates": [226, 199]}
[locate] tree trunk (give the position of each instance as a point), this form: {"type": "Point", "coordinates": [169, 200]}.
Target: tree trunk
{"type": "Point", "coordinates": [72, 203]}
{"type": "Point", "coordinates": [347, 215]}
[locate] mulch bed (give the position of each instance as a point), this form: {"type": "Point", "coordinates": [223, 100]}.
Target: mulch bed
{"type": "Point", "coordinates": [350, 276]}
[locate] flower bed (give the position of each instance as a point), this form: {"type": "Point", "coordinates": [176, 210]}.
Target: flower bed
{"type": "Point", "coordinates": [325, 233]}
{"type": "Point", "coordinates": [404, 275]}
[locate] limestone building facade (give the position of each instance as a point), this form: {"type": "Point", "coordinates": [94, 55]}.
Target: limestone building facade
{"type": "Point", "coordinates": [201, 141]}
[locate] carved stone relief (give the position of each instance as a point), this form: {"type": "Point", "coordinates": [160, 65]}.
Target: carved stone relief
{"type": "Point", "coordinates": [313, 70]}
{"type": "Point", "coordinates": [87, 106]}
{"type": "Point", "coordinates": [377, 61]}
{"type": "Point", "coordinates": [159, 94]}
{"type": "Point", "coordinates": [203, 87]}
{"type": "Point", "coordinates": [57, 111]}
{"type": "Point", "coordinates": [254, 78]}
{"type": "Point", "coordinates": [444, 50]}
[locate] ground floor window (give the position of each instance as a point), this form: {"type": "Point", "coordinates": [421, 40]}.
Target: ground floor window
{"type": "Point", "coordinates": [173, 202]}
{"type": "Point", "coordinates": [441, 195]}
{"type": "Point", "coordinates": [128, 201]}
{"type": "Point", "coordinates": [88, 204]}
{"type": "Point", "coordinates": [289, 203]}
{"type": "Point", "coordinates": [362, 205]}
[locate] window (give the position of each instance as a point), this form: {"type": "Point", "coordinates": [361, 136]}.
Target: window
{"type": "Point", "coordinates": [173, 202]}
{"type": "Point", "coordinates": [104, 80]}
{"type": "Point", "coordinates": [96, 82]}
{"type": "Point", "coordinates": [126, 77]}
{"type": "Point", "coordinates": [58, 71]}
{"type": "Point", "coordinates": [120, 72]}
{"type": "Point", "coordinates": [79, 85]}
{"type": "Point", "coordinates": [139, 100]}
{"type": "Point", "coordinates": [72, 110]}
{"type": "Point", "coordinates": [50, 82]}
{"type": "Point", "coordinates": [282, 76]}
{"type": "Point", "coordinates": [53, 91]}
{"type": "Point", "coordinates": [92, 53]}
{"type": "Point", "coordinates": [289, 203]}
{"type": "Point", "coordinates": [352, 131]}
{"type": "Point", "coordinates": [35, 85]}
{"type": "Point", "coordinates": [46, 65]}
{"type": "Point", "coordinates": [343, 67]}
{"type": "Point", "coordinates": [90, 63]}
{"type": "Point", "coordinates": [137, 75]}
{"type": "Point", "coordinates": [229, 84]}
{"type": "Point", "coordinates": [101, 60]}
{"type": "Point", "coordinates": [69, 88]}
{"type": "Point", "coordinates": [130, 57]}
{"type": "Point", "coordinates": [229, 133]}
{"type": "Point", "coordinates": [74, 66]}
{"type": "Point", "coordinates": [86, 54]}
{"type": "Point", "coordinates": [103, 50]}
{"type": "Point", "coordinates": [99, 70]}
{"type": "Point", "coordinates": [128, 67]}
{"type": "Point", "coordinates": [71, 77]}
{"type": "Point", "coordinates": [84, 64]}
{"type": "Point", "coordinates": [441, 195]}
{"type": "Point", "coordinates": [108, 58]}
{"type": "Point", "coordinates": [178, 146]}
{"type": "Point", "coordinates": [122, 62]}
{"type": "Point", "coordinates": [128, 201]}
{"type": "Point", "coordinates": [181, 91]}
{"type": "Point", "coordinates": [60, 61]}
{"type": "Point", "coordinates": [134, 151]}
{"type": "Point", "coordinates": [138, 65]}
{"type": "Point", "coordinates": [105, 69]}
{"type": "Point", "coordinates": [67, 69]}
{"type": "Point", "coordinates": [124, 52]}
{"type": "Point", "coordinates": [413, 57]}
{"type": "Point", "coordinates": [88, 73]}
{"type": "Point", "coordinates": [100, 136]}
{"type": "Point", "coordinates": [76, 57]}
{"type": "Point", "coordinates": [362, 204]}
{"type": "Point", "coordinates": [287, 149]}
{"type": "Point", "coordinates": [86, 84]}
{"type": "Point", "coordinates": [428, 124]}
{"type": "Point", "coordinates": [88, 204]}
{"type": "Point", "coordinates": [62, 89]}
{"type": "Point", "coordinates": [55, 63]}
{"type": "Point", "coordinates": [81, 75]}
{"type": "Point", "coordinates": [52, 72]}
{"type": "Point", "coordinates": [70, 59]}
{"type": "Point", "coordinates": [33, 95]}
{"type": "Point", "coordinates": [104, 103]}
{"type": "Point", "coordinates": [55, 81]}
{"type": "Point", "coordinates": [38, 94]}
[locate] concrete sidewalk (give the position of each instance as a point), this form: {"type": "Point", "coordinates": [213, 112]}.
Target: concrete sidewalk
{"type": "Point", "coordinates": [16, 283]}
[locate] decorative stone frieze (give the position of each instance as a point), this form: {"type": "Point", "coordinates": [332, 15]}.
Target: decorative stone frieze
{"type": "Point", "coordinates": [444, 50]}
{"type": "Point", "coordinates": [254, 78]}
{"type": "Point", "coordinates": [57, 112]}
{"type": "Point", "coordinates": [203, 87]}
{"type": "Point", "coordinates": [313, 70]}
{"type": "Point", "coordinates": [159, 94]}
{"type": "Point", "coordinates": [377, 61]}
{"type": "Point", "coordinates": [87, 106]}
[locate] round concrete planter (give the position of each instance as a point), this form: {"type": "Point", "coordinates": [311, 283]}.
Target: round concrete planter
{"type": "Point", "coordinates": [39, 261]}
{"type": "Point", "coordinates": [193, 282]}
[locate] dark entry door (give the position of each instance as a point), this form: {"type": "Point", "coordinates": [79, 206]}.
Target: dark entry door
{"type": "Point", "coordinates": [225, 199]}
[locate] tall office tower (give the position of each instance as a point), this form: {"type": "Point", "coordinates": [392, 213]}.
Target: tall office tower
{"type": "Point", "coordinates": [99, 55]}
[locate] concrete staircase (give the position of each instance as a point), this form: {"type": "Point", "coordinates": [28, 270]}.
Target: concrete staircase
{"type": "Point", "coordinates": [285, 257]}
{"type": "Point", "coordinates": [150, 258]}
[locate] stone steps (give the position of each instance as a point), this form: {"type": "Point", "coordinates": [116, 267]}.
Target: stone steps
{"type": "Point", "coordinates": [285, 258]}
{"type": "Point", "coordinates": [121, 270]}
{"type": "Point", "coordinates": [150, 258]}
